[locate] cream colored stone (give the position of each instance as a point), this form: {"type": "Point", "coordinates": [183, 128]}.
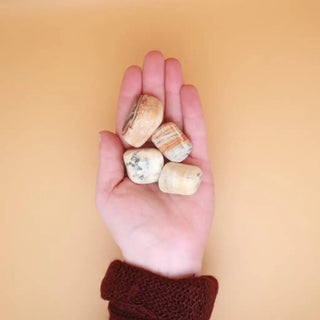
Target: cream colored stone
{"type": "Point", "coordinates": [143, 165]}
{"type": "Point", "coordinates": [180, 178]}
{"type": "Point", "coordinates": [172, 142]}
{"type": "Point", "coordinates": [144, 118]}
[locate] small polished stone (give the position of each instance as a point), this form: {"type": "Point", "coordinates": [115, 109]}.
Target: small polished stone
{"type": "Point", "coordinates": [180, 178]}
{"type": "Point", "coordinates": [145, 117]}
{"type": "Point", "coordinates": [143, 165]}
{"type": "Point", "coordinates": [172, 142]}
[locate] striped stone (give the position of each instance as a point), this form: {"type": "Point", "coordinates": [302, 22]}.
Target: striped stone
{"type": "Point", "coordinates": [172, 142]}
{"type": "Point", "coordinates": [145, 117]}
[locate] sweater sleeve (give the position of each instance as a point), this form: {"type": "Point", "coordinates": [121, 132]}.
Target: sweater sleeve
{"type": "Point", "coordinates": [138, 294]}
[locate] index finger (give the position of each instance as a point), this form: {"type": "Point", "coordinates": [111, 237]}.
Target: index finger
{"type": "Point", "coordinates": [130, 90]}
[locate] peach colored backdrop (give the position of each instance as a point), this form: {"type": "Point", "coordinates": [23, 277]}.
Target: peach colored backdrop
{"type": "Point", "coordinates": [257, 67]}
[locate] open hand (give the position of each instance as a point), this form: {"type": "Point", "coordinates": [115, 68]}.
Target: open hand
{"type": "Point", "coordinates": [164, 233]}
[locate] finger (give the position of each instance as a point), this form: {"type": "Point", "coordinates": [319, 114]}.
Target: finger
{"type": "Point", "coordinates": [153, 75]}
{"type": "Point", "coordinates": [193, 122]}
{"type": "Point", "coordinates": [130, 89]}
{"type": "Point", "coordinates": [173, 83]}
{"type": "Point", "coordinates": [111, 168]}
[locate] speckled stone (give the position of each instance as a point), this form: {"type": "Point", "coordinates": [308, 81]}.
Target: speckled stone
{"type": "Point", "coordinates": [180, 178]}
{"type": "Point", "coordinates": [145, 117]}
{"type": "Point", "coordinates": [172, 142]}
{"type": "Point", "coordinates": [143, 165]}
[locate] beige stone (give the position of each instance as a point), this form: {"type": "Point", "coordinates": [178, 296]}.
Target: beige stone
{"type": "Point", "coordinates": [180, 178]}
{"type": "Point", "coordinates": [143, 165]}
{"type": "Point", "coordinates": [145, 117]}
{"type": "Point", "coordinates": [172, 142]}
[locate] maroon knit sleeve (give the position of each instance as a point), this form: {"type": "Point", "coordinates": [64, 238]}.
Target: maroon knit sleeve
{"type": "Point", "coordinates": [138, 294]}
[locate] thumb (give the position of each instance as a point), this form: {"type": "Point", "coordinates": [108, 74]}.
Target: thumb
{"type": "Point", "coordinates": [111, 167]}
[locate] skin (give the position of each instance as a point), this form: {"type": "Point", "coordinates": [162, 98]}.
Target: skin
{"type": "Point", "coordinates": [164, 233]}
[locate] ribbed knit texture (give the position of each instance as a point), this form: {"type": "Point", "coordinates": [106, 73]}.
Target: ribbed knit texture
{"type": "Point", "coordinates": [135, 293]}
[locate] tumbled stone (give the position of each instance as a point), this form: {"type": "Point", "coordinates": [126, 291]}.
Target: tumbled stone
{"type": "Point", "coordinates": [180, 178]}
{"type": "Point", "coordinates": [144, 118]}
{"type": "Point", "coordinates": [172, 142]}
{"type": "Point", "coordinates": [143, 165]}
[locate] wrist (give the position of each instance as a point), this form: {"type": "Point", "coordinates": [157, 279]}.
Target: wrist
{"type": "Point", "coordinates": [171, 267]}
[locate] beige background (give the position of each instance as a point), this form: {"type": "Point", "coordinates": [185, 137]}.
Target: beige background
{"type": "Point", "coordinates": [257, 67]}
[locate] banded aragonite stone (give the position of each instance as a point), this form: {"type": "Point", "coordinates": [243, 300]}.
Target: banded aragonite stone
{"type": "Point", "coordinates": [180, 178]}
{"type": "Point", "coordinates": [172, 142]}
{"type": "Point", "coordinates": [145, 117]}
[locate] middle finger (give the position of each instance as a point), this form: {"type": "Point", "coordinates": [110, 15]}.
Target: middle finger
{"type": "Point", "coordinates": [153, 75]}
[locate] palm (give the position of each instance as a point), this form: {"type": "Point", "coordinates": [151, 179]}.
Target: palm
{"type": "Point", "coordinates": [146, 223]}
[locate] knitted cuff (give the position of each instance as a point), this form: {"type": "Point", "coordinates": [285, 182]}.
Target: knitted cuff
{"type": "Point", "coordinates": [136, 293]}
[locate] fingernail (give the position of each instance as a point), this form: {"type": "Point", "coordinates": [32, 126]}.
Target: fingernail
{"type": "Point", "coordinates": [99, 137]}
